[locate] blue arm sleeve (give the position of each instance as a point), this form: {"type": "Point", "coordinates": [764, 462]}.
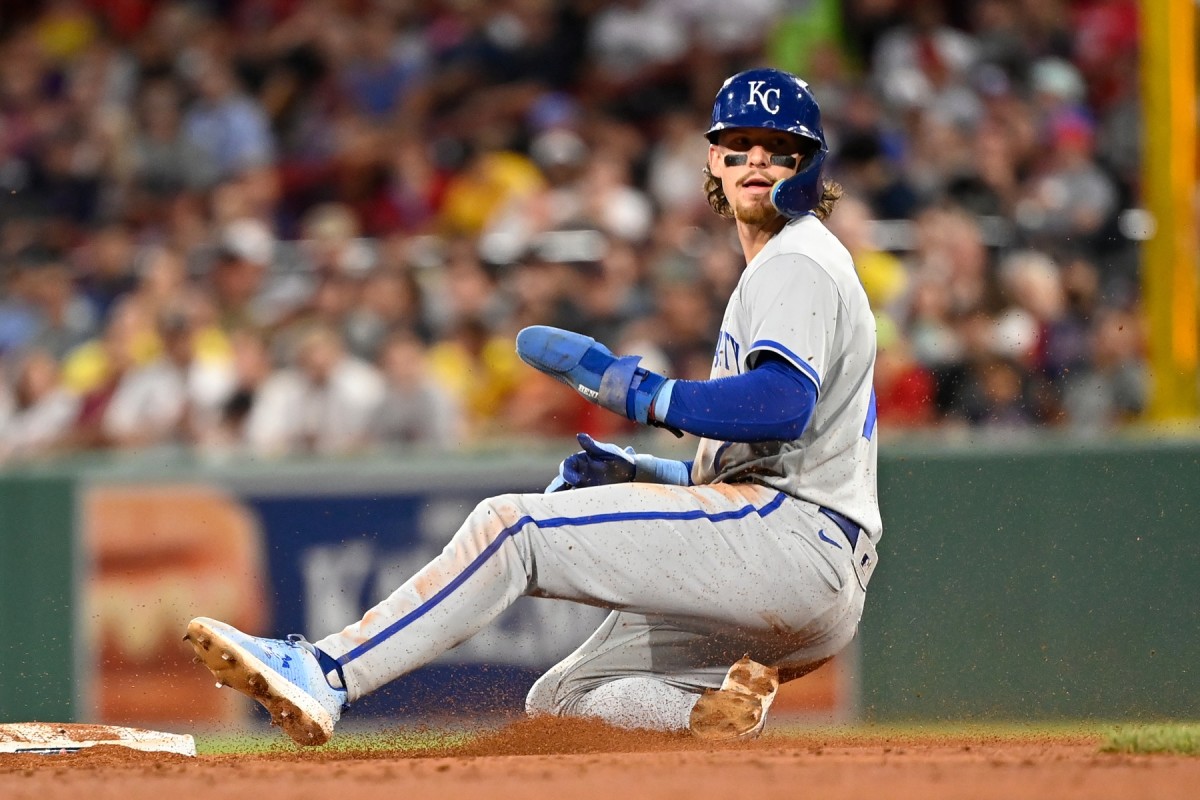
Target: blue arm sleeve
{"type": "Point", "coordinates": [772, 402]}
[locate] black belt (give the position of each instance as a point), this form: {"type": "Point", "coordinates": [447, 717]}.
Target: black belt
{"type": "Point", "coordinates": [848, 526]}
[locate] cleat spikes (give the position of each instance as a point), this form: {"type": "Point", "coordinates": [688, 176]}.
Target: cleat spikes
{"type": "Point", "coordinates": [280, 675]}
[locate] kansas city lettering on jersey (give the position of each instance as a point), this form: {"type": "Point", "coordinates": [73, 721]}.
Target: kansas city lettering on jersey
{"type": "Point", "coordinates": [728, 353]}
{"type": "Point", "coordinates": [758, 93]}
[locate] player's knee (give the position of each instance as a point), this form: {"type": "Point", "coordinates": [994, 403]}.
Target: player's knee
{"type": "Point", "coordinates": [544, 696]}
{"type": "Point", "coordinates": [491, 519]}
{"type": "Point", "coordinates": [501, 512]}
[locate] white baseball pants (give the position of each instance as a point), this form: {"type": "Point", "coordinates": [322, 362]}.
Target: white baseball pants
{"type": "Point", "coordinates": [696, 576]}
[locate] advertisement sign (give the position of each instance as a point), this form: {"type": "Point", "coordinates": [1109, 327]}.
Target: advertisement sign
{"type": "Point", "coordinates": [153, 555]}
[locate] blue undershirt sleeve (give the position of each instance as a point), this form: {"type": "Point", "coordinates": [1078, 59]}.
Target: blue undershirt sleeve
{"type": "Point", "coordinates": [772, 402]}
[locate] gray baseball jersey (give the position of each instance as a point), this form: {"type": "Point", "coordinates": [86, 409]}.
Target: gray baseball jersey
{"type": "Point", "coordinates": [801, 299]}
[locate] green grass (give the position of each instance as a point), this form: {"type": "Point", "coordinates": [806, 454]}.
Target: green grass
{"type": "Point", "coordinates": [1175, 738]}
{"type": "Point", "coordinates": [1178, 739]}
{"type": "Point", "coordinates": [272, 741]}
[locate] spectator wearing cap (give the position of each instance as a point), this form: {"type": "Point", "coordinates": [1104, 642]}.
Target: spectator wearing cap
{"type": "Point", "coordinates": [557, 202]}
{"type": "Point", "coordinates": [237, 276]}
{"type": "Point", "coordinates": [1071, 197]}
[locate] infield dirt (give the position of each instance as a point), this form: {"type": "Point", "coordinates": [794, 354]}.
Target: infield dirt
{"type": "Point", "coordinates": [566, 759]}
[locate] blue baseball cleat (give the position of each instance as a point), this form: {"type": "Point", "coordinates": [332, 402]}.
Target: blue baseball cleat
{"type": "Point", "coordinates": [282, 675]}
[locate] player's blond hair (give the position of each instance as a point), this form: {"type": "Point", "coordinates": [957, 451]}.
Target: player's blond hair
{"type": "Point", "coordinates": [831, 192]}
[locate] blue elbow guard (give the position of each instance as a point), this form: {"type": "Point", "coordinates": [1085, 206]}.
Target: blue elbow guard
{"type": "Point", "coordinates": [590, 368]}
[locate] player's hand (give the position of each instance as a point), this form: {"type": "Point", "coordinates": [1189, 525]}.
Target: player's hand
{"type": "Point", "coordinates": [591, 369]}
{"type": "Point", "coordinates": [597, 464]}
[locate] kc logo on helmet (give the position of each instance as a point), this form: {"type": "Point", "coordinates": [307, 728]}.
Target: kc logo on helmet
{"type": "Point", "coordinates": [758, 93]}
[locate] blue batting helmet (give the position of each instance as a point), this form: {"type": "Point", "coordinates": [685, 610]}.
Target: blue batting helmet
{"type": "Point", "coordinates": [771, 98]}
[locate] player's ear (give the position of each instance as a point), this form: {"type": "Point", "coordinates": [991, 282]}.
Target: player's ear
{"type": "Point", "coordinates": [715, 162]}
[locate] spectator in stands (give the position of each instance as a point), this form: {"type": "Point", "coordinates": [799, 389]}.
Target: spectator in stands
{"type": "Point", "coordinates": [1112, 389]}
{"type": "Point", "coordinates": [162, 160]}
{"type": "Point", "coordinates": [225, 123]}
{"type": "Point", "coordinates": [251, 367]}
{"type": "Point", "coordinates": [883, 275]}
{"type": "Point", "coordinates": [637, 58]}
{"type": "Point", "coordinates": [416, 410]}
{"type": "Point", "coordinates": [65, 318]}
{"type": "Point", "coordinates": [325, 405]}
{"type": "Point", "coordinates": [238, 275]}
{"type": "Point", "coordinates": [904, 389]}
{"type": "Point", "coordinates": [41, 411]}
{"type": "Point", "coordinates": [481, 370]}
{"type": "Point", "coordinates": [926, 64]}
{"type": "Point", "coordinates": [1071, 197]}
{"type": "Point", "coordinates": [96, 370]}
{"type": "Point", "coordinates": [374, 171]}
{"type": "Point", "coordinates": [170, 398]}
{"type": "Point", "coordinates": [391, 301]}
{"type": "Point", "coordinates": [108, 267]}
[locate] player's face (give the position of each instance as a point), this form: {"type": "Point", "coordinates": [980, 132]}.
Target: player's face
{"type": "Point", "coordinates": [742, 160]}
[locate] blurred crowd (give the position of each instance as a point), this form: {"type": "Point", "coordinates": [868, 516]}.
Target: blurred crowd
{"type": "Point", "coordinates": [279, 227]}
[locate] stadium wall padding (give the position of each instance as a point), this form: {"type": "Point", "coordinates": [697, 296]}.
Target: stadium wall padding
{"type": "Point", "coordinates": [37, 598]}
{"type": "Point", "coordinates": [1058, 581]}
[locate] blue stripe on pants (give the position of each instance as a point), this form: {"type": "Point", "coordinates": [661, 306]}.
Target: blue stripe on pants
{"type": "Point", "coordinates": [553, 522]}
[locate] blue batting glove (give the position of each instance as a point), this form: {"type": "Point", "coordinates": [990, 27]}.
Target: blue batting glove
{"type": "Point", "coordinates": [597, 464]}
{"type": "Point", "coordinates": [600, 463]}
{"type": "Point", "coordinates": [591, 369]}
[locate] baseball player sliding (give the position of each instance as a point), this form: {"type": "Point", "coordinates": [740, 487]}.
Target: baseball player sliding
{"type": "Point", "coordinates": [725, 574]}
